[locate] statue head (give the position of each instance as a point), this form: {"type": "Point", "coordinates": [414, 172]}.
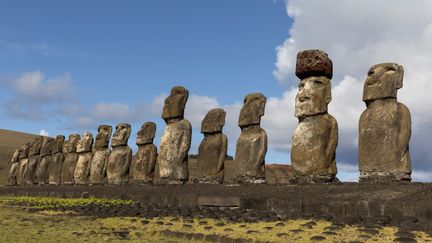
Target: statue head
{"type": "Point", "coordinates": [15, 156]}
{"type": "Point", "coordinates": [121, 135]}
{"type": "Point", "coordinates": [383, 81]}
{"type": "Point", "coordinates": [46, 147]}
{"type": "Point", "coordinates": [213, 121]}
{"type": "Point", "coordinates": [24, 152]}
{"type": "Point", "coordinates": [58, 144]}
{"type": "Point", "coordinates": [71, 144]}
{"type": "Point", "coordinates": [175, 103]}
{"type": "Point", "coordinates": [146, 134]}
{"type": "Point", "coordinates": [315, 70]}
{"type": "Point", "coordinates": [252, 110]}
{"type": "Point", "coordinates": [103, 136]}
{"type": "Point", "coordinates": [85, 144]}
{"type": "Point", "coordinates": [35, 146]}
{"type": "Point", "coordinates": [313, 96]}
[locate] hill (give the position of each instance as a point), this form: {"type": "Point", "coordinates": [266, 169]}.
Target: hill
{"type": "Point", "coordinates": [9, 141]}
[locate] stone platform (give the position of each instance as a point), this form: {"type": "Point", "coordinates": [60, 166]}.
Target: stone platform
{"type": "Point", "coordinates": [352, 203]}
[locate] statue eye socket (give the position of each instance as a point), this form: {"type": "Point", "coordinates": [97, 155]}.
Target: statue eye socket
{"type": "Point", "coordinates": [371, 72]}
{"type": "Point", "coordinates": [318, 82]}
{"type": "Point", "coordinates": [301, 85]}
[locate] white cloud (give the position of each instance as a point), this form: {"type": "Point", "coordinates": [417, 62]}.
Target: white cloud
{"type": "Point", "coordinates": [43, 133]}
{"type": "Point", "coordinates": [356, 35]}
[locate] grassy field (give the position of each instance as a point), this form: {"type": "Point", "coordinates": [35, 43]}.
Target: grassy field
{"type": "Point", "coordinates": [29, 219]}
{"type": "Point", "coordinates": [9, 141]}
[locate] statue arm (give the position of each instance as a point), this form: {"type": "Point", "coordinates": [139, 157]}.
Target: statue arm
{"type": "Point", "coordinates": [223, 153]}
{"type": "Point", "coordinates": [333, 140]}
{"type": "Point", "coordinates": [127, 165]}
{"type": "Point", "coordinates": [153, 158]}
{"type": "Point", "coordinates": [405, 129]}
{"type": "Point", "coordinates": [263, 149]}
{"type": "Point", "coordinates": [186, 140]}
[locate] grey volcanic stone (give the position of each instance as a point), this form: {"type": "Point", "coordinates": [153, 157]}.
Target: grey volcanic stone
{"type": "Point", "coordinates": [213, 148]}
{"type": "Point", "coordinates": [84, 151]}
{"type": "Point", "coordinates": [70, 160]}
{"type": "Point", "coordinates": [120, 159]}
{"type": "Point", "coordinates": [13, 171]}
{"type": "Point", "coordinates": [33, 160]}
{"type": "Point", "coordinates": [99, 162]}
{"type": "Point", "coordinates": [143, 165]}
{"type": "Point", "coordinates": [54, 168]}
{"type": "Point", "coordinates": [314, 142]}
{"type": "Point", "coordinates": [46, 160]}
{"type": "Point", "coordinates": [384, 127]}
{"type": "Point", "coordinates": [172, 161]}
{"type": "Point", "coordinates": [23, 161]}
{"type": "Point", "coordinates": [251, 146]}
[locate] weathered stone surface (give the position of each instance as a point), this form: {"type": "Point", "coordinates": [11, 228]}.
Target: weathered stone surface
{"type": "Point", "coordinates": [33, 161]}
{"type": "Point", "coordinates": [212, 151]}
{"type": "Point", "coordinates": [175, 103]}
{"type": "Point", "coordinates": [120, 158]}
{"type": "Point", "coordinates": [98, 166]}
{"type": "Point", "coordinates": [101, 154]}
{"type": "Point", "coordinates": [143, 164]}
{"type": "Point", "coordinates": [172, 161]}
{"type": "Point", "coordinates": [251, 146]}
{"type": "Point", "coordinates": [314, 142]}
{"type": "Point", "coordinates": [13, 171]}
{"type": "Point", "coordinates": [118, 165]}
{"type": "Point", "coordinates": [313, 63]}
{"type": "Point", "coordinates": [103, 137]}
{"type": "Point", "coordinates": [70, 160]}
{"type": "Point", "coordinates": [384, 127]}
{"type": "Point", "coordinates": [46, 159]}
{"type": "Point", "coordinates": [146, 134]}
{"type": "Point", "coordinates": [84, 150]}
{"type": "Point", "coordinates": [213, 121]}
{"type": "Point", "coordinates": [23, 161]}
{"type": "Point", "coordinates": [54, 168]}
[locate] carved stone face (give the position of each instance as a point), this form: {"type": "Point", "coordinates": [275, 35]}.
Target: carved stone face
{"type": "Point", "coordinates": [35, 146]}
{"type": "Point", "coordinates": [252, 110]}
{"type": "Point", "coordinates": [85, 143]}
{"type": "Point", "coordinates": [383, 81]}
{"type": "Point", "coordinates": [15, 156]}
{"type": "Point", "coordinates": [175, 103]}
{"type": "Point", "coordinates": [47, 143]}
{"type": "Point", "coordinates": [313, 96]}
{"type": "Point", "coordinates": [146, 134]}
{"type": "Point", "coordinates": [103, 136]}
{"type": "Point", "coordinates": [58, 144]}
{"type": "Point", "coordinates": [213, 121]}
{"type": "Point", "coordinates": [121, 135]}
{"type": "Point", "coordinates": [71, 144]}
{"type": "Point", "coordinates": [25, 151]}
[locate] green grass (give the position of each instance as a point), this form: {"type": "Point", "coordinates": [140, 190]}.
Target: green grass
{"type": "Point", "coordinates": [17, 224]}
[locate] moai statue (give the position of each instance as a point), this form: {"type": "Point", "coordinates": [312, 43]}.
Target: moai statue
{"type": "Point", "coordinates": [98, 165]}
{"type": "Point", "coordinates": [384, 127]}
{"type": "Point", "coordinates": [70, 160]}
{"type": "Point", "coordinates": [13, 172]}
{"type": "Point", "coordinates": [33, 160]}
{"type": "Point", "coordinates": [213, 148]}
{"type": "Point", "coordinates": [23, 162]}
{"type": "Point", "coordinates": [120, 159]}
{"type": "Point", "coordinates": [251, 146]}
{"type": "Point", "coordinates": [84, 151]}
{"type": "Point", "coordinates": [143, 164]}
{"type": "Point", "coordinates": [314, 142]}
{"type": "Point", "coordinates": [172, 161]}
{"type": "Point", "coordinates": [46, 159]}
{"type": "Point", "coordinates": [54, 169]}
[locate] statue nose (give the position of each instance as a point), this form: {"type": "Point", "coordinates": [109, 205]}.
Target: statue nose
{"type": "Point", "coordinates": [303, 98]}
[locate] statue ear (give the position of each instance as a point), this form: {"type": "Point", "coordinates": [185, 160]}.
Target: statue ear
{"type": "Point", "coordinates": [399, 76]}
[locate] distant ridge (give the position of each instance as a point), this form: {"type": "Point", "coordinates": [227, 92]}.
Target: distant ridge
{"type": "Point", "coordinates": [9, 141]}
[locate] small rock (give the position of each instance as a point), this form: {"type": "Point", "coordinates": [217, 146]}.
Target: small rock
{"type": "Point", "coordinates": [329, 233]}
{"type": "Point", "coordinates": [317, 238]}
{"type": "Point", "coordinates": [188, 226]}
{"type": "Point", "coordinates": [208, 227]}
{"type": "Point", "coordinates": [296, 231]}
{"type": "Point", "coordinates": [405, 240]}
{"type": "Point", "coordinates": [228, 230]}
{"type": "Point", "coordinates": [404, 234]}
{"type": "Point", "coordinates": [281, 235]}
{"type": "Point", "coordinates": [202, 222]}
{"type": "Point", "coordinates": [85, 194]}
{"type": "Point", "coordinates": [369, 231]}
{"type": "Point", "coordinates": [279, 224]}
{"type": "Point", "coordinates": [145, 221]}
{"type": "Point", "coordinates": [160, 222]}
{"type": "Point", "coordinates": [242, 226]}
{"type": "Point", "coordinates": [251, 232]}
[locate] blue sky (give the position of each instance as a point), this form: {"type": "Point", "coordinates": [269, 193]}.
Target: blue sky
{"type": "Point", "coordinates": [68, 66]}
